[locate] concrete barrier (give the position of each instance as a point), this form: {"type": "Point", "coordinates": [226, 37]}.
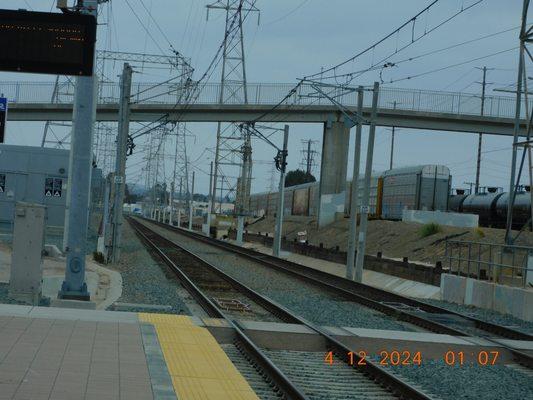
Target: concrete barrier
{"type": "Point", "coordinates": [452, 288]}
{"type": "Point", "coordinates": [527, 306]}
{"type": "Point", "coordinates": [508, 300]}
{"type": "Point", "coordinates": [442, 218]}
{"type": "Point", "coordinates": [504, 297]}
{"type": "Point", "coordinates": [479, 293]}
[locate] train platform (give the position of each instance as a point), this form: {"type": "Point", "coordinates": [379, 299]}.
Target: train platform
{"type": "Point", "coordinates": [60, 354]}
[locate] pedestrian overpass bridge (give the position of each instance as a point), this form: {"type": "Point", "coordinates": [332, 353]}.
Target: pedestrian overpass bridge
{"type": "Point", "coordinates": [404, 108]}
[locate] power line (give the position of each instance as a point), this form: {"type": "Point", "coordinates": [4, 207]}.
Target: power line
{"type": "Point", "coordinates": [451, 66]}
{"type": "Point", "coordinates": [304, 2]}
{"type": "Point", "coordinates": [157, 25]}
{"type": "Point", "coordinates": [144, 27]}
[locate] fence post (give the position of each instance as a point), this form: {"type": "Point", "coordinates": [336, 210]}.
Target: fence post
{"type": "Point", "coordinates": [459, 260]}
{"type": "Point", "coordinates": [478, 260]}
{"type": "Point", "coordinates": [469, 258]}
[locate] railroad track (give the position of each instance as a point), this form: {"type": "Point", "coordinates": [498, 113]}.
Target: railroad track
{"type": "Point", "coordinates": [360, 378]}
{"type": "Point", "coordinates": [416, 312]}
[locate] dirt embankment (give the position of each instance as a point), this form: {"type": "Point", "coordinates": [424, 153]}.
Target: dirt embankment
{"type": "Point", "coordinates": [395, 239]}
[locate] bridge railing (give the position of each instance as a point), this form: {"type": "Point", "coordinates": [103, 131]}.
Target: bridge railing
{"type": "Point", "coordinates": [269, 94]}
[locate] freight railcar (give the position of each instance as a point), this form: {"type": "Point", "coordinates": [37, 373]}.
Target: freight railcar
{"type": "Point", "coordinates": [423, 187]}
{"type": "Point", "coordinates": [491, 205]}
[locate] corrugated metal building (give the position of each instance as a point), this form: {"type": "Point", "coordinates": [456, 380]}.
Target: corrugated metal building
{"type": "Point", "coordinates": [33, 174]}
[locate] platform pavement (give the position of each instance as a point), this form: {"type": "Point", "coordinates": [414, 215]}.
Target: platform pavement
{"type": "Point", "coordinates": [66, 354]}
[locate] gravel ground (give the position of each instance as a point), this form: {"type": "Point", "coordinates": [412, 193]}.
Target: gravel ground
{"type": "Point", "coordinates": [144, 280]}
{"type": "Point", "coordinates": [300, 297]}
{"type": "Point", "coordinates": [5, 299]}
{"type": "Point", "coordinates": [495, 382]}
{"type": "Point", "coordinates": [486, 315]}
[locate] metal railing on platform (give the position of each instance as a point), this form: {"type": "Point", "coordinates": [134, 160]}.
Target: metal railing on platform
{"type": "Point", "coordinates": [272, 93]}
{"type": "Point", "coordinates": [505, 264]}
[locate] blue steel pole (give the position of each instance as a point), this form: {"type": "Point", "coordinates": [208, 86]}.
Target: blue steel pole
{"type": "Point", "coordinates": [80, 169]}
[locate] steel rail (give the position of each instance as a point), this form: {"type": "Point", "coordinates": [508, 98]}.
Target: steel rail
{"type": "Point", "coordinates": [381, 300]}
{"type": "Point", "coordinates": [371, 369]}
{"type": "Point", "coordinates": [259, 357]}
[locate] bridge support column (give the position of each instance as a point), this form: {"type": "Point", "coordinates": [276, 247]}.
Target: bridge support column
{"type": "Point", "coordinates": [334, 165]}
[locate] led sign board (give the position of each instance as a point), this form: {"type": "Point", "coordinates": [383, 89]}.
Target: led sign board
{"type": "Point", "coordinates": [48, 43]}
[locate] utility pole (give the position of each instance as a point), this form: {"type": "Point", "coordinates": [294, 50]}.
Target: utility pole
{"type": "Point", "coordinates": [191, 203]}
{"type": "Point", "coordinates": [480, 138]}
{"type": "Point", "coordinates": [309, 159]}
{"type": "Point", "coordinates": [80, 169]}
{"type": "Point", "coordinates": [281, 163]}
{"type": "Point", "coordinates": [120, 167]}
{"type": "Point", "coordinates": [360, 260]}
{"type": "Point", "coordinates": [352, 238]}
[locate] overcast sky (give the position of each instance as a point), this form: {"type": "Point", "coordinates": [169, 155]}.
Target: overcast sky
{"type": "Point", "coordinates": [296, 38]}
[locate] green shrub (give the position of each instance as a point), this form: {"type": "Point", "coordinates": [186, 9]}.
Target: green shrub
{"type": "Point", "coordinates": [430, 229]}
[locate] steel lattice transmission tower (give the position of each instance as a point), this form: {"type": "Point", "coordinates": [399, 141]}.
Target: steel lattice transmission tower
{"type": "Point", "coordinates": [309, 156]}
{"type": "Point", "coordinates": [230, 150]}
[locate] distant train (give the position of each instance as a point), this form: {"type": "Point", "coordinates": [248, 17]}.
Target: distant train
{"type": "Point", "coordinates": [491, 205]}
{"type": "Point", "coordinates": [425, 187]}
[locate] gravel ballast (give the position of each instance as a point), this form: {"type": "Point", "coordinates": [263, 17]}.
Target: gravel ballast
{"type": "Point", "coordinates": [146, 281]}
{"type": "Point", "coordinates": [303, 298]}
{"type": "Point", "coordinates": [486, 315]}
{"type": "Point", "coordinates": [495, 382]}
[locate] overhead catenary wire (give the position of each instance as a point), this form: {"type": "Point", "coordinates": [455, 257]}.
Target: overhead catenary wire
{"type": "Point", "coordinates": [451, 66]}
{"type": "Point", "coordinates": [350, 76]}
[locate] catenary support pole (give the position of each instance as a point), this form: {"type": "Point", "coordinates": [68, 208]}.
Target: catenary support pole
{"type": "Point", "coordinates": [480, 137]}
{"type": "Point", "coordinates": [518, 108]}
{"type": "Point", "coordinates": [276, 245]}
{"type": "Point", "coordinates": [171, 213]}
{"type": "Point", "coordinates": [240, 229]}
{"type": "Point", "coordinates": [106, 214]}
{"type": "Point", "coordinates": [120, 159]}
{"type": "Point", "coordinates": [191, 203]}
{"type": "Point", "coordinates": [80, 169]}
{"type": "Point", "coordinates": [180, 202]}
{"type": "Point", "coordinates": [392, 141]}
{"type": "Point", "coordinates": [361, 246]}
{"type": "Point", "coordinates": [352, 238]}
{"type": "Point", "coordinates": [207, 230]}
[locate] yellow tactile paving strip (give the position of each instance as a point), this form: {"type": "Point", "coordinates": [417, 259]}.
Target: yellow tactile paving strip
{"type": "Point", "coordinates": [199, 368]}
